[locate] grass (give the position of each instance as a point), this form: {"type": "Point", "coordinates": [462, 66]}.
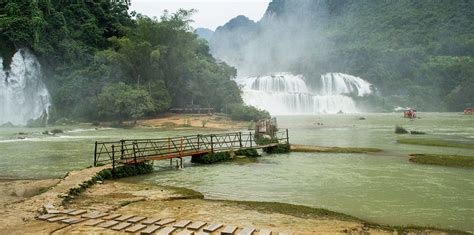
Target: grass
{"type": "Point", "coordinates": [319, 149]}
{"type": "Point", "coordinates": [438, 143]}
{"type": "Point", "coordinates": [443, 160]}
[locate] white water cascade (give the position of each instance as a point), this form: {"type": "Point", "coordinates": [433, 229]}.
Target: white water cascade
{"type": "Point", "coordinates": [285, 93]}
{"type": "Point", "coordinates": [23, 95]}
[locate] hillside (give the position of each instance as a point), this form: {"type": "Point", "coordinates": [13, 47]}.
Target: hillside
{"type": "Point", "coordinates": [417, 53]}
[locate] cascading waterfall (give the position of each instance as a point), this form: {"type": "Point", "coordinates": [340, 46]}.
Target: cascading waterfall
{"type": "Point", "coordinates": [285, 93]}
{"type": "Point", "coordinates": [23, 95]}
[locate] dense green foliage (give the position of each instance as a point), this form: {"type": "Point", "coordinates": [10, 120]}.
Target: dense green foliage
{"type": "Point", "coordinates": [211, 158]}
{"type": "Point", "coordinates": [246, 113]}
{"type": "Point", "coordinates": [400, 130]}
{"type": "Point", "coordinates": [443, 160]}
{"type": "Point", "coordinates": [100, 62]}
{"type": "Point", "coordinates": [281, 148]}
{"type": "Point", "coordinates": [247, 152]}
{"type": "Point", "coordinates": [417, 53]}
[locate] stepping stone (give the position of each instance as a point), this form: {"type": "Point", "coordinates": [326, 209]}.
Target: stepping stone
{"type": "Point", "coordinates": [112, 216]}
{"type": "Point", "coordinates": [150, 221]}
{"type": "Point", "coordinates": [213, 227]}
{"type": "Point", "coordinates": [108, 224]}
{"type": "Point", "coordinates": [77, 212]}
{"type": "Point", "coordinates": [165, 222]}
{"type": "Point", "coordinates": [265, 231]}
{"type": "Point", "coordinates": [150, 230]}
{"type": "Point", "coordinates": [73, 220]}
{"type": "Point", "coordinates": [46, 216]}
{"type": "Point", "coordinates": [135, 228]}
{"type": "Point", "coordinates": [53, 211]}
{"type": "Point", "coordinates": [247, 231]}
{"type": "Point", "coordinates": [136, 219]}
{"type": "Point", "coordinates": [196, 225]}
{"type": "Point", "coordinates": [58, 218]}
{"type": "Point", "coordinates": [68, 211]}
{"type": "Point", "coordinates": [186, 232]}
{"type": "Point", "coordinates": [121, 226]}
{"type": "Point", "coordinates": [229, 230]}
{"type": "Point", "coordinates": [124, 217]}
{"type": "Point", "coordinates": [93, 222]}
{"type": "Point", "coordinates": [94, 215]}
{"type": "Point", "coordinates": [182, 224]}
{"type": "Point", "coordinates": [166, 231]}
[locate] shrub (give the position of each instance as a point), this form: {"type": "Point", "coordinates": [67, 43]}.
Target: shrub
{"type": "Point", "coordinates": [281, 148]}
{"type": "Point", "coordinates": [211, 158]}
{"type": "Point", "coordinates": [57, 131]}
{"type": "Point", "coordinates": [400, 130]}
{"type": "Point", "coordinates": [247, 152]}
{"type": "Point", "coordinates": [246, 113]}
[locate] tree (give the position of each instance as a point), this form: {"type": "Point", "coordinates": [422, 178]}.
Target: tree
{"type": "Point", "coordinates": [120, 101]}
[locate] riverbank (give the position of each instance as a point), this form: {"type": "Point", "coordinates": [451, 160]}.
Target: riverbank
{"type": "Point", "coordinates": [122, 197]}
{"type": "Point", "coordinates": [212, 121]}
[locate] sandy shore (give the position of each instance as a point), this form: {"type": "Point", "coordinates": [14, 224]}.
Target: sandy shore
{"type": "Point", "coordinates": [194, 120]}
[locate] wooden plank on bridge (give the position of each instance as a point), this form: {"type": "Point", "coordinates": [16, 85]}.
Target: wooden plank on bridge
{"type": "Point", "coordinates": [57, 218]}
{"type": "Point", "coordinates": [73, 220]}
{"type": "Point", "coordinates": [77, 212]}
{"type": "Point", "coordinates": [186, 232]}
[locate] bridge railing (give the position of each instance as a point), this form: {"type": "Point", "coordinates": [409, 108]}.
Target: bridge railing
{"type": "Point", "coordinates": [135, 150]}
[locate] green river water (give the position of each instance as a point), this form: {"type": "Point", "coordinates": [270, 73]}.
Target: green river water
{"type": "Point", "coordinates": [383, 187]}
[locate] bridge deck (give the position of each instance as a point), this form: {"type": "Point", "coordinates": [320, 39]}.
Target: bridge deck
{"type": "Point", "coordinates": [140, 150]}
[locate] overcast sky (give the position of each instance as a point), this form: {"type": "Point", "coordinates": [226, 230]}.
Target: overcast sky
{"type": "Point", "coordinates": [211, 13]}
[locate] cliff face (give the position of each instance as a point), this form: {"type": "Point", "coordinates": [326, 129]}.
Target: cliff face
{"type": "Point", "coordinates": [393, 44]}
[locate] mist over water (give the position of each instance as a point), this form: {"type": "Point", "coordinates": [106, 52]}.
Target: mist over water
{"type": "Point", "coordinates": [285, 93]}
{"type": "Point", "coordinates": [23, 95]}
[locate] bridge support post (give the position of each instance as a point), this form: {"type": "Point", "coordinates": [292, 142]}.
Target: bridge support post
{"type": "Point", "coordinates": [250, 135]}
{"type": "Point", "coordinates": [199, 143]}
{"type": "Point", "coordinates": [113, 160]}
{"type": "Point", "coordinates": [95, 154]}
{"type": "Point", "coordinates": [212, 144]}
{"type": "Point", "coordinates": [240, 139]}
{"type": "Point", "coordinates": [135, 154]}
{"type": "Point", "coordinates": [287, 137]}
{"type": "Point", "coordinates": [122, 151]}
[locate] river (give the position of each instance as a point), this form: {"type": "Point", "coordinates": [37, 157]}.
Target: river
{"type": "Point", "coordinates": [383, 187]}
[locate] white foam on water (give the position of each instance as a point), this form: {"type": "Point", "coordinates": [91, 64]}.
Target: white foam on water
{"type": "Point", "coordinates": [23, 95]}
{"type": "Point", "coordinates": [288, 94]}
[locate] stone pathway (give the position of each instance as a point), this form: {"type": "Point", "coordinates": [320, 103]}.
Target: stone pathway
{"type": "Point", "coordinates": [142, 225]}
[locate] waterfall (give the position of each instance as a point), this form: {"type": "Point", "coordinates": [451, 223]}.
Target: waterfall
{"type": "Point", "coordinates": [23, 95]}
{"type": "Point", "coordinates": [285, 93]}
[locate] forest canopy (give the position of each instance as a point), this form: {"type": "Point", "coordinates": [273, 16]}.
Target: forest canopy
{"type": "Point", "coordinates": [98, 59]}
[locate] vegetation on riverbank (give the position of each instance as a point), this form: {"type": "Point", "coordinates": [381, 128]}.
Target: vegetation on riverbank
{"type": "Point", "coordinates": [433, 142]}
{"type": "Point", "coordinates": [102, 62]}
{"type": "Point", "coordinates": [443, 160]}
{"type": "Point", "coordinates": [320, 149]}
